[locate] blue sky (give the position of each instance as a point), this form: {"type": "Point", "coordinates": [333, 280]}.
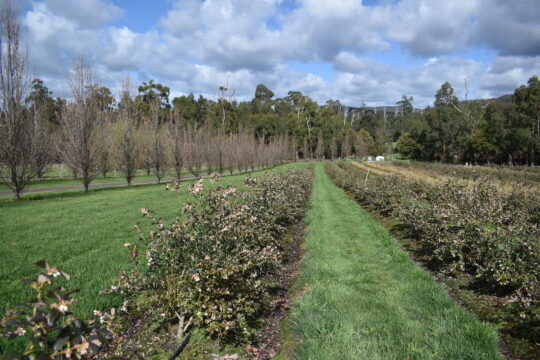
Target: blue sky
{"type": "Point", "coordinates": [139, 15]}
{"type": "Point", "coordinates": [354, 51]}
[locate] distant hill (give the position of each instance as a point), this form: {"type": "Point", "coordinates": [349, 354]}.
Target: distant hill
{"type": "Point", "coordinates": [396, 109]}
{"type": "Point", "coordinates": [504, 99]}
{"type": "Point", "coordinates": [388, 109]}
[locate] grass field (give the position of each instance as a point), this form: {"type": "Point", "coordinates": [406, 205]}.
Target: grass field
{"type": "Point", "coordinates": [361, 296]}
{"type": "Point", "coordinates": [365, 299]}
{"type": "Point", "coordinates": [82, 234]}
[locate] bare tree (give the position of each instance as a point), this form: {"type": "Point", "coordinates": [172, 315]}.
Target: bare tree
{"type": "Point", "coordinates": [206, 148]}
{"type": "Point", "coordinates": [125, 146]}
{"type": "Point", "coordinates": [104, 157]}
{"type": "Point", "coordinates": [214, 141]}
{"type": "Point", "coordinates": [145, 159]}
{"type": "Point", "coordinates": [193, 151]}
{"type": "Point", "coordinates": [79, 124]}
{"type": "Point", "coordinates": [157, 143]}
{"type": "Point", "coordinates": [125, 138]}
{"type": "Point", "coordinates": [17, 142]}
{"type": "Point", "coordinates": [224, 90]}
{"type": "Point", "coordinates": [231, 146]}
{"type": "Point", "coordinates": [241, 150]}
{"type": "Point", "coordinates": [177, 148]}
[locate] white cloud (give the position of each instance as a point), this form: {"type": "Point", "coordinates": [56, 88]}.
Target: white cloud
{"type": "Point", "coordinates": [86, 13]}
{"type": "Point", "coordinates": [55, 40]}
{"type": "Point", "coordinates": [366, 80]}
{"type": "Point", "coordinates": [197, 45]}
{"type": "Point", "coordinates": [509, 72]}
{"type": "Point", "coordinates": [428, 28]}
{"type": "Point", "coordinates": [512, 28]}
{"type": "Point", "coordinates": [227, 34]}
{"type": "Point", "coordinates": [432, 28]}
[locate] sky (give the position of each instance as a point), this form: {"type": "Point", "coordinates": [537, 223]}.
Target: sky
{"type": "Point", "coordinates": [359, 52]}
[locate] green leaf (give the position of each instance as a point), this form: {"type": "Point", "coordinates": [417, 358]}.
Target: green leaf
{"type": "Point", "coordinates": [62, 339]}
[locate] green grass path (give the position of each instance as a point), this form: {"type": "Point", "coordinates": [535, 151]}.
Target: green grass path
{"type": "Point", "coordinates": [365, 299]}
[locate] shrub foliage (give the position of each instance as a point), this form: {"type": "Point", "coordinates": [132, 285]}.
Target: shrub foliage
{"type": "Point", "coordinates": [48, 325]}
{"type": "Point", "coordinates": [466, 226]}
{"type": "Point", "coordinates": [216, 264]}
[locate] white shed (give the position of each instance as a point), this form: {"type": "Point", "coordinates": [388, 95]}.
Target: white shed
{"type": "Point", "coordinates": [379, 158]}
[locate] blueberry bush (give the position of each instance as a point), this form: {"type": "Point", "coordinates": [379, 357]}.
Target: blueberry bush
{"type": "Point", "coordinates": [215, 266]}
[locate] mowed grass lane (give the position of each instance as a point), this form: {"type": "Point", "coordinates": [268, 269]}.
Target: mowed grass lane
{"type": "Point", "coordinates": [82, 234]}
{"type": "Point", "coordinates": [365, 299]}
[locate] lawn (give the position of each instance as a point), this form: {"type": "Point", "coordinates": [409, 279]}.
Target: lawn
{"type": "Point", "coordinates": [54, 178]}
{"type": "Point", "coordinates": [82, 234]}
{"type": "Point", "coordinates": [364, 298]}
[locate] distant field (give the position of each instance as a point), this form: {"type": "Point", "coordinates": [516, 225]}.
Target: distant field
{"type": "Point", "coordinates": [82, 234]}
{"type": "Point", "coordinates": [523, 174]}
{"type": "Point", "coordinates": [504, 178]}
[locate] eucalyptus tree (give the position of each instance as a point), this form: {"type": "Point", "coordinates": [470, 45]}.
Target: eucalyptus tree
{"type": "Point", "coordinates": [527, 117]}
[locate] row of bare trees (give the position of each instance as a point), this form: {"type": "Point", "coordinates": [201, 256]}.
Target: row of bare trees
{"type": "Point", "coordinates": [160, 147]}
{"type": "Point", "coordinates": [94, 139]}
{"type": "Point", "coordinates": [353, 144]}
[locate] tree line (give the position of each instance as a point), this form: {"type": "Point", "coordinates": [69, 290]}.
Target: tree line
{"type": "Point", "coordinates": [501, 131]}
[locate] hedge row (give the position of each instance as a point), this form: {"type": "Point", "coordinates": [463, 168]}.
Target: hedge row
{"type": "Point", "coordinates": [217, 263]}
{"type": "Point", "coordinates": [472, 226]}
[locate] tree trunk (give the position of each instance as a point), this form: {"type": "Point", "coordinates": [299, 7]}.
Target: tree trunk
{"type": "Point", "coordinates": [86, 180]}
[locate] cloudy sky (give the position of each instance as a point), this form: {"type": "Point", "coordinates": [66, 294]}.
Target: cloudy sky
{"type": "Point", "coordinates": [370, 51]}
